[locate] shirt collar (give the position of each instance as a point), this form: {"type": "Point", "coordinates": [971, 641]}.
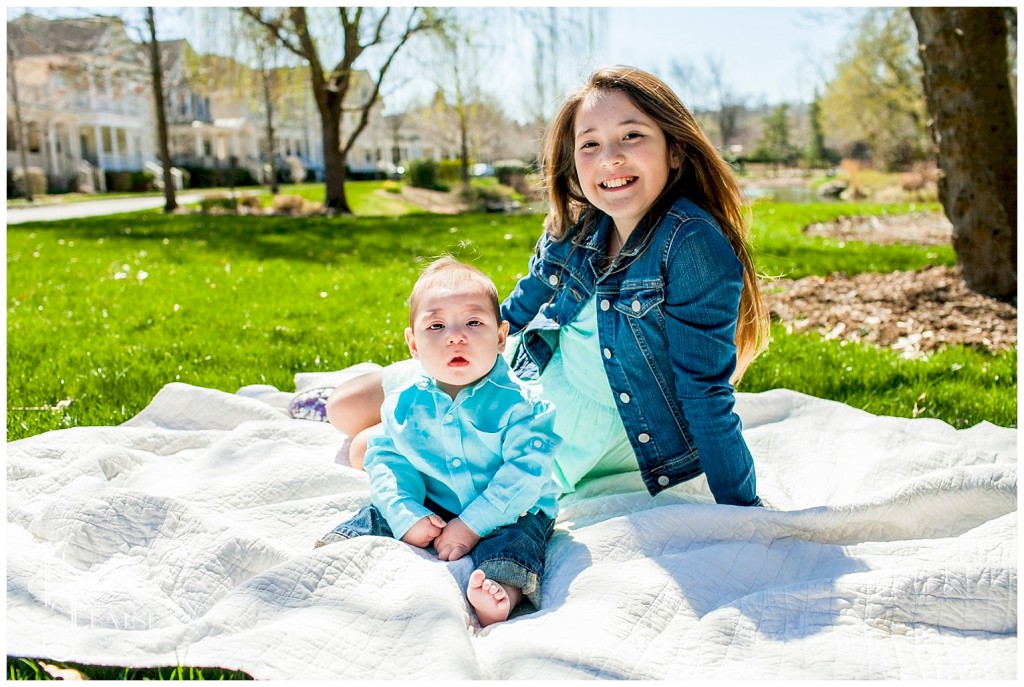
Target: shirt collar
{"type": "Point", "coordinates": [498, 376]}
{"type": "Point", "coordinates": [597, 239]}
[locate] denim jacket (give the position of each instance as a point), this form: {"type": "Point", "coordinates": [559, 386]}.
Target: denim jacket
{"type": "Point", "coordinates": [666, 322]}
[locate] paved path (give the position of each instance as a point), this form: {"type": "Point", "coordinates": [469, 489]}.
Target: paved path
{"type": "Point", "coordinates": [91, 208]}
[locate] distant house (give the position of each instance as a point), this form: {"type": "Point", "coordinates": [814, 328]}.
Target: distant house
{"type": "Point", "coordinates": [86, 106]}
{"type": "Point", "coordinates": [431, 132]}
{"type": "Point", "coordinates": [84, 98]}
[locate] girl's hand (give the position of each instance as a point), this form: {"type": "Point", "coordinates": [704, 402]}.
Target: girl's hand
{"type": "Point", "coordinates": [455, 541]}
{"type": "Point", "coordinates": [424, 531]}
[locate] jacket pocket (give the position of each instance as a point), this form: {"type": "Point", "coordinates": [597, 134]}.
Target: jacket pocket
{"type": "Point", "coordinates": [636, 299]}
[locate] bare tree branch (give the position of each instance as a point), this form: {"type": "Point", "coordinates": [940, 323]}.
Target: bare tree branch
{"type": "Point", "coordinates": [411, 28]}
{"type": "Point", "coordinates": [275, 27]}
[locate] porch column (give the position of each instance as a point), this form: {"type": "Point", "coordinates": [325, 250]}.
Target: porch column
{"type": "Point", "coordinates": [115, 149]}
{"type": "Point", "coordinates": [52, 158]}
{"type": "Point", "coordinates": [97, 131]}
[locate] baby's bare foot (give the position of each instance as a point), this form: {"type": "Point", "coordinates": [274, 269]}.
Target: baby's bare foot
{"type": "Point", "coordinates": [489, 598]}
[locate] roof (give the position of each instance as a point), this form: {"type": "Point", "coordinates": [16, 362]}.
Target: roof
{"type": "Point", "coordinates": [32, 35]}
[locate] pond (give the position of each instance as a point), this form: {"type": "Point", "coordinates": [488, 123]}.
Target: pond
{"type": "Point", "coordinates": [786, 194]}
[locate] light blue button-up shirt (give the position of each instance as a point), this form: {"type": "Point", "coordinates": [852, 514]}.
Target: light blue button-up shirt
{"type": "Point", "coordinates": [485, 455]}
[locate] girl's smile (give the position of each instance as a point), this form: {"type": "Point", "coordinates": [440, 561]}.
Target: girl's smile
{"type": "Point", "coordinates": [622, 157]}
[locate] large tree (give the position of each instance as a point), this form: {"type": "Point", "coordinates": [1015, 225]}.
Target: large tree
{"type": "Point", "coordinates": [361, 29]}
{"type": "Point", "coordinates": [160, 106]}
{"type": "Point", "coordinates": [974, 126]}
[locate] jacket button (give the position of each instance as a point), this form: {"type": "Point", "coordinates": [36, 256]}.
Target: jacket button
{"type": "Point", "coordinates": [605, 304]}
{"type": "Point", "coordinates": [456, 463]}
{"type": "Point", "coordinates": [624, 397]}
{"type": "Point", "coordinates": [607, 353]}
{"type": "Point", "coordinates": [636, 306]}
{"type": "Point", "coordinates": [643, 437]}
{"type": "Point", "coordinates": [663, 481]}
{"type": "Point", "coordinates": [553, 280]}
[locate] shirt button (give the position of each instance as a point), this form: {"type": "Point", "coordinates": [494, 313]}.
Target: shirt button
{"type": "Point", "coordinates": [636, 306]}
{"type": "Point", "coordinates": [553, 280]}
{"type": "Point", "coordinates": [607, 353]}
{"type": "Point", "coordinates": [537, 443]}
{"type": "Point", "coordinates": [456, 463]}
{"type": "Point", "coordinates": [624, 397]}
{"type": "Point", "coordinates": [605, 304]}
{"type": "Point", "coordinates": [663, 481]}
{"type": "Point", "coordinates": [643, 437]}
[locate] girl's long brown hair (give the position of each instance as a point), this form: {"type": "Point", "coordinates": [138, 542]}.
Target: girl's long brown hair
{"type": "Point", "coordinates": [702, 176]}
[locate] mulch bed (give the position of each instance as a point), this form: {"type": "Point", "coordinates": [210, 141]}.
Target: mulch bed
{"type": "Point", "coordinates": [913, 312]}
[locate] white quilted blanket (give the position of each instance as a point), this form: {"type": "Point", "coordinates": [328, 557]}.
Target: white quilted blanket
{"type": "Point", "coordinates": [888, 550]}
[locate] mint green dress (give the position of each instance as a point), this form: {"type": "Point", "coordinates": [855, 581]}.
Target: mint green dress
{"type": "Point", "coordinates": [594, 439]}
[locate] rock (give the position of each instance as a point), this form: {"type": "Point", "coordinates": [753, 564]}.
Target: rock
{"type": "Point", "coordinates": [832, 189]}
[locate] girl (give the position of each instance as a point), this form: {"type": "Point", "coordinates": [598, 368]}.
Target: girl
{"type": "Point", "coordinates": [641, 306]}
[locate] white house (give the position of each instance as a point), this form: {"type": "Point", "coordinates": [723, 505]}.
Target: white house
{"type": "Point", "coordinates": [86, 106]}
{"type": "Point", "coordinates": [84, 98]}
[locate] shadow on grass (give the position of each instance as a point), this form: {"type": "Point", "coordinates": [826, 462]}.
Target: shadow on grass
{"type": "Point", "coordinates": [375, 241]}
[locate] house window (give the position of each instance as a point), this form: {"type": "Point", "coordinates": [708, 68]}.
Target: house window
{"type": "Point", "coordinates": [108, 142]}
{"type": "Point", "coordinates": [122, 141]}
{"type": "Point", "coordinates": [35, 138]}
{"type": "Point", "coordinates": [207, 147]}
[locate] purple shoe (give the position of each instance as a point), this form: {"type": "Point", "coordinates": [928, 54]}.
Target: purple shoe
{"type": "Point", "coordinates": [310, 404]}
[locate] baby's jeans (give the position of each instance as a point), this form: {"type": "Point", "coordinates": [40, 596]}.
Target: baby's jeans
{"type": "Point", "coordinates": [512, 555]}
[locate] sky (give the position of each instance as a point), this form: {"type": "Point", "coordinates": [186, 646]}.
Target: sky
{"type": "Point", "coordinates": [768, 54]}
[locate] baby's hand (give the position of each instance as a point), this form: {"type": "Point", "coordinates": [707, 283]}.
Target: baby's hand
{"type": "Point", "coordinates": [455, 541]}
{"type": "Point", "coordinates": [424, 531]}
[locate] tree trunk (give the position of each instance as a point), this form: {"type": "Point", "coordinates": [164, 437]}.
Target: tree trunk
{"type": "Point", "coordinates": [22, 154]}
{"type": "Point", "coordinates": [974, 125]}
{"type": "Point", "coordinates": [464, 149]}
{"type": "Point", "coordinates": [170, 202]}
{"type": "Point", "coordinates": [334, 164]}
{"type": "Point", "coordinates": [271, 148]}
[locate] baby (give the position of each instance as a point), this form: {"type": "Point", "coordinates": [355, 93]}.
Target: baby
{"type": "Point", "coordinates": [464, 459]}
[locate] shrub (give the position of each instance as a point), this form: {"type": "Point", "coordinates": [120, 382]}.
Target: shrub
{"type": "Point", "coordinates": [205, 177]}
{"type": "Point", "coordinates": [135, 181]}
{"type": "Point", "coordinates": [36, 180]}
{"type": "Point", "coordinates": [287, 205]}
{"type": "Point", "coordinates": [508, 174]}
{"type": "Point", "coordinates": [218, 201]}
{"type": "Point", "coordinates": [450, 171]}
{"type": "Point", "coordinates": [392, 186]}
{"type": "Point", "coordinates": [58, 183]}
{"type": "Point", "coordinates": [250, 203]}
{"type": "Point", "coordinates": [425, 174]}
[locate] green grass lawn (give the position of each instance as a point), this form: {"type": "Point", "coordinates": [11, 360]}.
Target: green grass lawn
{"type": "Point", "coordinates": [103, 312]}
